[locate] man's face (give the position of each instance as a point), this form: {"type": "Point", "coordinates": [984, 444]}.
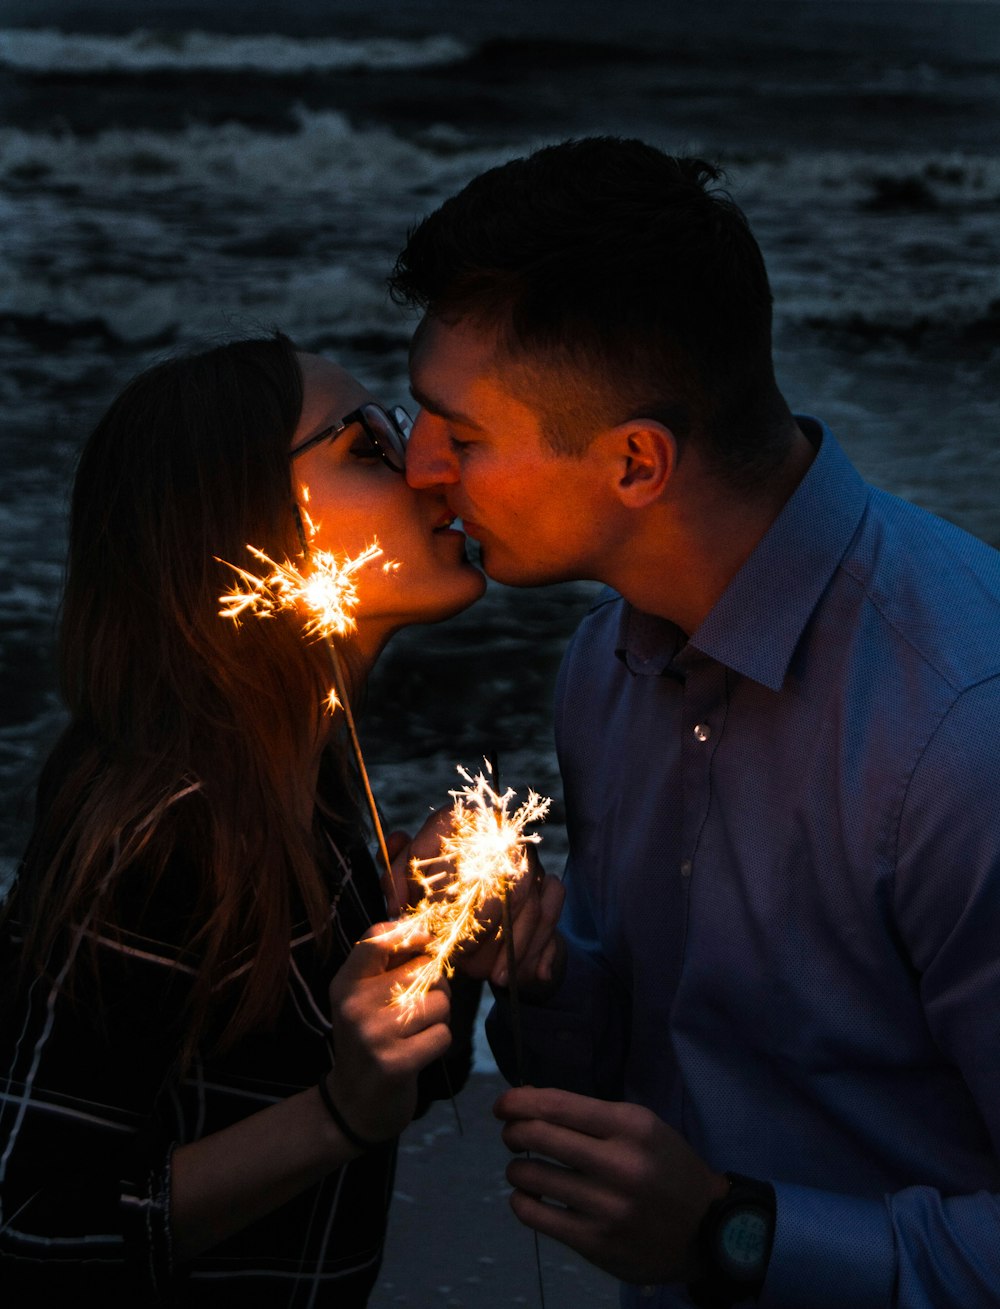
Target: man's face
{"type": "Point", "coordinates": [540, 516]}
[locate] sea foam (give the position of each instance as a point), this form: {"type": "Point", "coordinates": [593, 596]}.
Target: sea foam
{"type": "Point", "coordinates": [48, 50]}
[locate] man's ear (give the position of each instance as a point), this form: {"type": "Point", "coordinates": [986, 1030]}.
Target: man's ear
{"type": "Point", "coordinates": [646, 459]}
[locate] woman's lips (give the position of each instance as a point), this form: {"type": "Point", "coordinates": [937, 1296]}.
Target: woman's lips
{"type": "Point", "coordinates": [458, 526]}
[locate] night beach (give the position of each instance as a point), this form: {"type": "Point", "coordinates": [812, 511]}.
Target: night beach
{"type": "Point", "coordinates": [172, 174]}
{"type": "Point", "coordinates": [177, 172]}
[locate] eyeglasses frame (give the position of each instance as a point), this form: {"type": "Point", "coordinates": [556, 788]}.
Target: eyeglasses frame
{"type": "Point", "coordinates": [331, 433]}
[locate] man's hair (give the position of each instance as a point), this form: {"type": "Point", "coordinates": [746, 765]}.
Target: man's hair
{"type": "Point", "coordinates": [618, 282]}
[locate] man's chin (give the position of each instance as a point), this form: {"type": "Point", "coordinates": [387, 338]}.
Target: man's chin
{"type": "Point", "coordinates": [513, 572]}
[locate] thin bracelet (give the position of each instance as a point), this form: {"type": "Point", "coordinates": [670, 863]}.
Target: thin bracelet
{"type": "Point", "coordinates": [338, 1118]}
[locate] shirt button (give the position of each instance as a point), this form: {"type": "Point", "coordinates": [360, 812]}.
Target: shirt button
{"type": "Point", "coordinates": [686, 868]}
{"type": "Point", "coordinates": [702, 732]}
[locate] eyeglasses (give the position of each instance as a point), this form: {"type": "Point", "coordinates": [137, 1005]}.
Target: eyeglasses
{"type": "Point", "coordinates": [387, 430]}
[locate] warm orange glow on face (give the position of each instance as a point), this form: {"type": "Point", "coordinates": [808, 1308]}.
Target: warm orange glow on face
{"type": "Point", "coordinates": [485, 853]}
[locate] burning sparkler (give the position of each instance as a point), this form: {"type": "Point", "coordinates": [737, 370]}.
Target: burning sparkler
{"type": "Point", "coordinates": [327, 592]}
{"type": "Point", "coordinates": [485, 854]}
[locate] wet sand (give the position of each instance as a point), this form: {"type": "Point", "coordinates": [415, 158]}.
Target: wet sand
{"type": "Point", "coordinates": [453, 1241]}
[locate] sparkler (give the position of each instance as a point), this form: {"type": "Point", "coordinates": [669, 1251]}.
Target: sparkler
{"type": "Point", "coordinates": [327, 592]}
{"type": "Point", "coordinates": [488, 847]}
{"type": "Point", "coordinates": [485, 853]}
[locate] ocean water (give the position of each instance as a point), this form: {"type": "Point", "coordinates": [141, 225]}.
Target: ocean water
{"type": "Point", "coordinates": [172, 171]}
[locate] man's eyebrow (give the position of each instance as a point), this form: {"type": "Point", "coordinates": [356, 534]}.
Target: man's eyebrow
{"type": "Point", "coordinates": [440, 410]}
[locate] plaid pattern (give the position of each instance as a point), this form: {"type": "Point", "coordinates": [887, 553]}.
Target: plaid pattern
{"type": "Point", "coordinates": [91, 1108]}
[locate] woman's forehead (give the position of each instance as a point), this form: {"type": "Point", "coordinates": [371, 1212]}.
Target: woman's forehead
{"type": "Point", "coordinates": [328, 391]}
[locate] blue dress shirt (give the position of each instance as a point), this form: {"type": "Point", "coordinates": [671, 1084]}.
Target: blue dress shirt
{"type": "Point", "coordinates": [783, 892]}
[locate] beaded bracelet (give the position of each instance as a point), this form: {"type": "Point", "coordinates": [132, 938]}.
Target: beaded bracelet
{"type": "Point", "coordinates": [338, 1118]}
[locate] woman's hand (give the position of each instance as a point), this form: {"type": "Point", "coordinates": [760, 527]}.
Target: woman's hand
{"type": "Point", "coordinates": [233, 1177]}
{"type": "Point", "coordinates": [379, 1048]}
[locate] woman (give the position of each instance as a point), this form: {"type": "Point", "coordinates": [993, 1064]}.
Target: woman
{"type": "Point", "coordinates": [185, 1112]}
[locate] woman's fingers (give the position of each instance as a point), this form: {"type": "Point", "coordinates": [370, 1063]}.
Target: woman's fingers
{"type": "Point", "coordinates": [383, 947]}
{"type": "Point", "coordinates": [381, 965]}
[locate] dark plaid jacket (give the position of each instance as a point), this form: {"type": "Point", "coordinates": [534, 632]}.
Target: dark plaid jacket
{"type": "Point", "coordinates": [91, 1107]}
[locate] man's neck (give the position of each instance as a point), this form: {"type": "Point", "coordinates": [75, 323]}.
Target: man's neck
{"type": "Point", "coordinates": [680, 567]}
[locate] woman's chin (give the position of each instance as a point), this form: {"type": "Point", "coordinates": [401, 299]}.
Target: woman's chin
{"type": "Point", "coordinates": [455, 599]}
{"type": "Point", "coordinates": [479, 584]}
{"type": "Point", "coordinates": [465, 586]}
{"type": "Point", "coordinates": [459, 591]}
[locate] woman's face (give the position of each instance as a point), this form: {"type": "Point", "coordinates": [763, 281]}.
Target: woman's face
{"type": "Point", "coordinates": [354, 497]}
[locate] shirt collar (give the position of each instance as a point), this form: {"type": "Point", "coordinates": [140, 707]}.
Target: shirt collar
{"type": "Point", "coordinates": [755, 625]}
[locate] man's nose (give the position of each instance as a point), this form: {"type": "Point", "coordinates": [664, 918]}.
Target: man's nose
{"type": "Point", "coordinates": [430, 460]}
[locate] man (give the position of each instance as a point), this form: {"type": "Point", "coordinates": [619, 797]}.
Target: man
{"type": "Point", "coordinates": [779, 734]}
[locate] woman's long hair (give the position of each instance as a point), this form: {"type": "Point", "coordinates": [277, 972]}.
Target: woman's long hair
{"type": "Point", "coordinates": [192, 742]}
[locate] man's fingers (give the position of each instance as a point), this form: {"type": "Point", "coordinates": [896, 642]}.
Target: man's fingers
{"type": "Point", "coordinates": [552, 895]}
{"type": "Point", "coordinates": [535, 917]}
{"type": "Point", "coordinates": [579, 1113]}
{"type": "Point", "coordinates": [535, 868]}
{"type": "Point", "coordinates": [557, 1185]}
{"type": "Point", "coordinates": [551, 1220]}
{"type": "Point", "coordinates": [541, 949]}
{"type": "Point", "coordinates": [590, 1155]}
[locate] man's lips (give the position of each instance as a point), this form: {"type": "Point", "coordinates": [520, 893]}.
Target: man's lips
{"type": "Point", "coordinates": [455, 523]}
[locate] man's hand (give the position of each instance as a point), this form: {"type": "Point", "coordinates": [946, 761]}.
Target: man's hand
{"type": "Point", "coordinates": [616, 1184]}
{"type": "Point", "coordinates": [535, 904]}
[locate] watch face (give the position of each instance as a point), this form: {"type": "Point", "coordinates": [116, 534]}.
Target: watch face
{"type": "Point", "coordinates": [741, 1241]}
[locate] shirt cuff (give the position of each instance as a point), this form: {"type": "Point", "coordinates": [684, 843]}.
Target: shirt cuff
{"type": "Point", "coordinates": [829, 1251]}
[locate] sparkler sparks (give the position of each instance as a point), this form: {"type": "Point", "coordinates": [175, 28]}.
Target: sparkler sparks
{"type": "Point", "coordinates": [327, 592]}
{"type": "Point", "coordinates": [485, 854]}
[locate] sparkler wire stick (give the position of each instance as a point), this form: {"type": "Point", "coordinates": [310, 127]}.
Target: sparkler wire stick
{"type": "Point", "coordinates": [340, 685]}
{"type": "Point", "coordinates": [508, 937]}
{"type": "Point", "coordinates": [515, 1009]}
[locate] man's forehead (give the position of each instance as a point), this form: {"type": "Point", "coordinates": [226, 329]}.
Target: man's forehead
{"type": "Point", "coordinates": [454, 370]}
{"type": "Point", "coordinates": [457, 346]}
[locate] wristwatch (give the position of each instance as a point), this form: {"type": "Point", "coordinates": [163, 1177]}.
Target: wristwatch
{"type": "Point", "coordinates": [734, 1244]}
